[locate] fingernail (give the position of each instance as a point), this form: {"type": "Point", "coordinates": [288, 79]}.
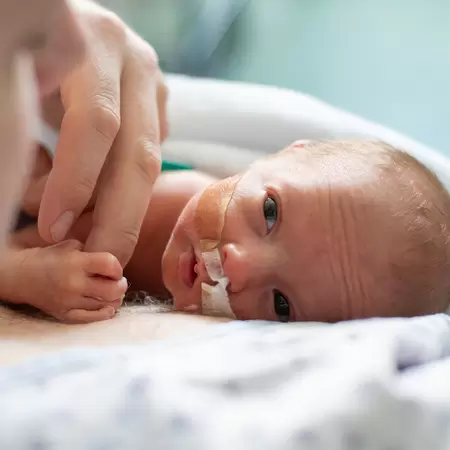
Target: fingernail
{"type": "Point", "coordinates": [62, 225]}
{"type": "Point", "coordinates": [124, 284]}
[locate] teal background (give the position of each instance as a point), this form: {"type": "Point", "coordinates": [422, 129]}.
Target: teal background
{"type": "Point", "coordinates": [388, 61]}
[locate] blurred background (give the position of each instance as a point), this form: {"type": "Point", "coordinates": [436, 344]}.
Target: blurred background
{"type": "Point", "coordinates": [386, 60]}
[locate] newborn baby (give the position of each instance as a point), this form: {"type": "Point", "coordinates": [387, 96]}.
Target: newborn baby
{"type": "Point", "coordinates": [323, 231]}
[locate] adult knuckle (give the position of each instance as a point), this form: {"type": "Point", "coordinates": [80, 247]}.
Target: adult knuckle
{"type": "Point", "coordinates": [83, 188]}
{"type": "Point", "coordinates": [80, 190]}
{"type": "Point", "coordinates": [151, 59]}
{"type": "Point", "coordinates": [145, 56]}
{"type": "Point", "coordinates": [106, 97]}
{"type": "Point", "coordinates": [130, 236]}
{"type": "Point", "coordinates": [112, 24]}
{"type": "Point", "coordinates": [148, 159]}
{"type": "Point", "coordinates": [104, 119]}
{"type": "Point", "coordinates": [126, 242]}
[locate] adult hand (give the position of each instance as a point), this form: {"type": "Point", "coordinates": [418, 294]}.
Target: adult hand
{"type": "Point", "coordinates": [113, 117]}
{"type": "Point", "coordinates": [30, 32]}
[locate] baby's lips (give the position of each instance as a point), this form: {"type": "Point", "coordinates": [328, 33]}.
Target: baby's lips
{"type": "Point", "coordinates": [201, 270]}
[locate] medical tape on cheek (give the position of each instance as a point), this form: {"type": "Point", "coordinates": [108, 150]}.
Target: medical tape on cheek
{"type": "Point", "coordinates": [209, 222]}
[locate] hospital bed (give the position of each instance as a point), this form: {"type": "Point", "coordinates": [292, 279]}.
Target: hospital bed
{"type": "Point", "coordinates": [372, 384]}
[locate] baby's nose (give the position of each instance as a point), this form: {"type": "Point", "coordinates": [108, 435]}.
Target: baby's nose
{"type": "Point", "coordinates": [241, 268]}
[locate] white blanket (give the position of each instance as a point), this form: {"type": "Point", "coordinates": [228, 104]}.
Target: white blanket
{"type": "Point", "coordinates": [379, 384]}
{"type": "Point", "coordinates": [220, 127]}
{"type": "Point", "coordinates": [261, 119]}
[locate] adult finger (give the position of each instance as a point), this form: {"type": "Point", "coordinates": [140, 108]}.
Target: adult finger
{"type": "Point", "coordinates": [163, 95]}
{"type": "Point", "coordinates": [57, 52]}
{"type": "Point", "coordinates": [91, 98]}
{"type": "Point", "coordinates": [133, 165]}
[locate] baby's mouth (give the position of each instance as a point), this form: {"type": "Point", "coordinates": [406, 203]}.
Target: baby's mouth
{"type": "Point", "coordinates": [191, 268]}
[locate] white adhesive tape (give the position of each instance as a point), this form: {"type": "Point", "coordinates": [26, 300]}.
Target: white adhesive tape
{"type": "Point", "coordinates": [215, 299]}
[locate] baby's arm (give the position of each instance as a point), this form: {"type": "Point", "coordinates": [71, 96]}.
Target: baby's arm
{"type": "Point", "coordinates": [60, 280]}
{"type": "Point", "coordinates": [170, 194]}
{"type": "Point", "coordinates": [64, 282]}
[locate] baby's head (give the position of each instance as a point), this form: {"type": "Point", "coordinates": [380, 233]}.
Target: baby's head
{"type": "Point", "coordinates": [322, 231]}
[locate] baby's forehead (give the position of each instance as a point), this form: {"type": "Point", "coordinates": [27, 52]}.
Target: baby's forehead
{"type": "Point", "coordinates": [284, 162]}
{"type": "Point", "coordinates": [291, 159]}
{"type": "Point", "coordinates": [286, 169]}
{"type": "Point", "coordinates": [315, 163]}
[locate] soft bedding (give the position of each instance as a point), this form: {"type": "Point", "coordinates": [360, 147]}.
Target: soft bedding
{"type": "Point", "coordinates": [376, 384]}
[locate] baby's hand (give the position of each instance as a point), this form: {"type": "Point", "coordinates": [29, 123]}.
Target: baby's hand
{"type": "Point", "coordinates": [74, 286]}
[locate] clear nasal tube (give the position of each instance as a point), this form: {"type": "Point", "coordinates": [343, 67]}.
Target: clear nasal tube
{"type": "Point", "coordinates": [215, 299]}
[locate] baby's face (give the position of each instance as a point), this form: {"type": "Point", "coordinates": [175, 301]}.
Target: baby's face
{"type": "Point", "coordinates": [286, 246]}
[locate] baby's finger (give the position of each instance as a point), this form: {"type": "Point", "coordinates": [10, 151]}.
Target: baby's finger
{"type": "Point", "coordinates": [69, 245]}
{"type": "Point", "coordinates": [95, 304]}
{"type": "Point", "coordinates": [92, 304]}
{"type": "Point", "coordinates": [105, 289]}
{"type": "Point", "coordinates": [83, 316]}
{"type": "Point", "coordinates": [103, 264]}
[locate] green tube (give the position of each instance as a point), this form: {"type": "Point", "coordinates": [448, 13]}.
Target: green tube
{"type": "Point", "coordinates": [170, 165]}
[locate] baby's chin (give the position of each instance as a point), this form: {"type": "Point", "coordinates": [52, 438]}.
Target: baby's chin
{"type": "Point", "coordinates": [181, 304]}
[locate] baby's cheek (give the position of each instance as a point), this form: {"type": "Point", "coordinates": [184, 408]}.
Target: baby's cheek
{"type": "Point", "coordinates": [186, 221]}
{"type": "Point", "coordinates": [251, 305]}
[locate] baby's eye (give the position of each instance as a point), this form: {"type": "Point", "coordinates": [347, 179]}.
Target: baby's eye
{"type": "Point", "coordinates": [270, 212]}
{"type": "Point", "coordinates": [281, 306]}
